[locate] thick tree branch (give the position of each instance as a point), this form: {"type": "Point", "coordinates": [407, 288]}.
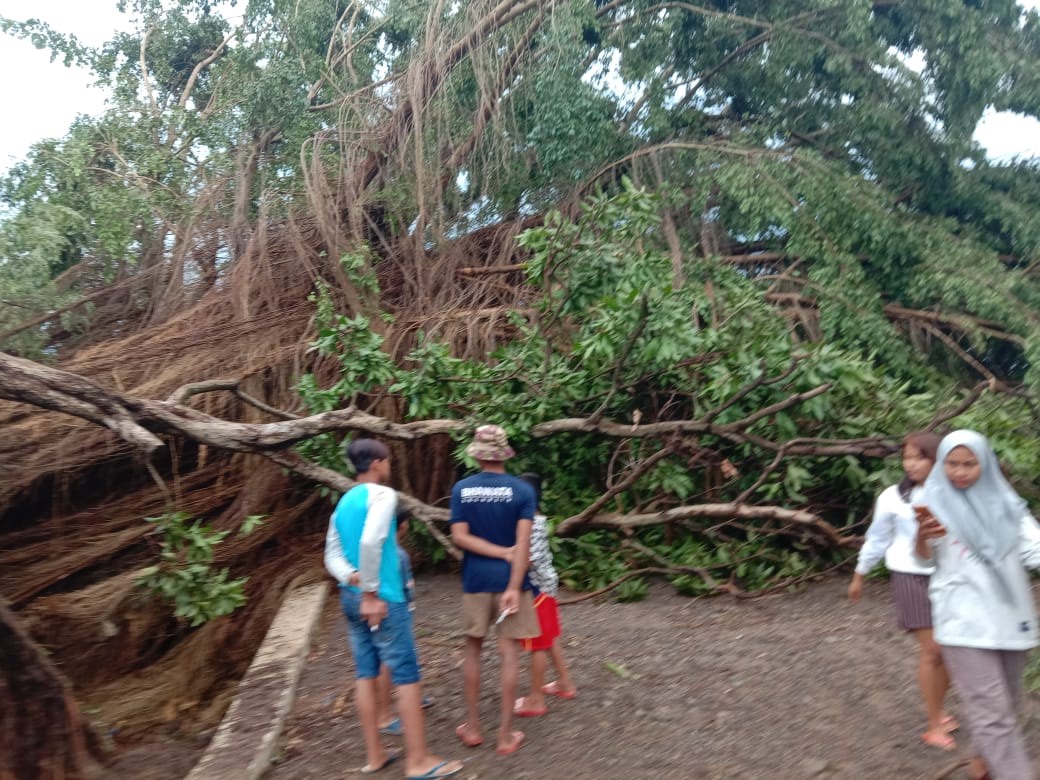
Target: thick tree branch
{"type": "Point", "coordinates": [134, 419]}
{"type": "Point", "coordinates": [426, 514]}
{"type": "Point", "coordinates": [641, 468]}
{"type": "Point", "coordinates": [197, 70]}
{"type": "Point", "coordinates": [629, 521]}
{"type": "Point", "coordinates": [960, 321]}
{"type": "Point", "coordinates": [60, 391]}
{"type": "Point", "coordinates": [145, 77]}
{"type": "Point", "coordinates": [182, 394]}
{"type": "Point", "coordinates": [733, 431]}
{"type": "Point", "coordinates": [138, 420]}
{"type": "Point", "coordinates": [959, 351]}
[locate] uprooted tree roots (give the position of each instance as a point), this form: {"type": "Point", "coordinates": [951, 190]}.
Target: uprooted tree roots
{"type": "Point", "coordinates": [74, 495]}
{"type": "Point", "coordinates": [42, 733]}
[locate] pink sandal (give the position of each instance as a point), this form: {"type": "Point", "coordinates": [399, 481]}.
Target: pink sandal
{"type": "Point", "coordinates": [521, 710]}
{"type": "Point", "coordinates": [513, 746]}
{"type": "Point", "coordinates": [553, 689]}
{"type": "Point", "coordinates": [462, 732]}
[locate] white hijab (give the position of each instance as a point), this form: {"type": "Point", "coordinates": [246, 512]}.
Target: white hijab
{"type": "Point", "coordinates": [985, 516]}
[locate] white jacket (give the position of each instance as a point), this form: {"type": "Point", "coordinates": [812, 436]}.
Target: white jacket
{"type": "Point", "coordinates": [891, 535]}
{"type": "Point", "coordinates": [967, 608]}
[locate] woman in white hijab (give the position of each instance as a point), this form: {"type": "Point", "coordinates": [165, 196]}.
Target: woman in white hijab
{"type": "Point", "coordinates": [980, 536]}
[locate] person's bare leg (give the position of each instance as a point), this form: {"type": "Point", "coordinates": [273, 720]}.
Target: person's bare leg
{"type": "Point", "coordinates": [366, 707]}
{"type": "Point", "coordinates": [564, 683]}
{"type": "Point", "coordinates": [535, 700]}
{"type": "Point", "coordinates": [943, 686]}
{"type": "Point", "coordinates": [417, 759]}
{"type": "Point", "coordinates": [932, 679]}
{"type": "Point", "coordinates": [469, 731]}
{"type": "Point", "coordinates": [509, 652]}
{"type": "Point", "coordinates": [384, 713]}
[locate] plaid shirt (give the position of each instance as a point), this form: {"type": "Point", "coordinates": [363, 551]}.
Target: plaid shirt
{"type": "Point", "coordinates": [541, 572]}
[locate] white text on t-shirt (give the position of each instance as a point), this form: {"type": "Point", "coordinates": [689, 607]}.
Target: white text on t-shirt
{"type": "Point", "coordinates": [470, 495]}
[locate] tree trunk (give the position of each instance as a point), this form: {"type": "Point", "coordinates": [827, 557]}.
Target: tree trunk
{"type": "Point", "coordinates": [42, 734]}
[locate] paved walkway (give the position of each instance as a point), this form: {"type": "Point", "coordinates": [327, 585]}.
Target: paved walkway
{"type": "Point", "coordinates": [247, 738]}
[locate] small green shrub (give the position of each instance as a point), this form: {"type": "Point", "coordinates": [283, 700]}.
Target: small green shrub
{"type": "Point", "coordinates": [185, 576]}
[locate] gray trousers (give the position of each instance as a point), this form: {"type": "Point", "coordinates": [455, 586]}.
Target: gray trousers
{"type": "Point", "coordinates": [989, 683]}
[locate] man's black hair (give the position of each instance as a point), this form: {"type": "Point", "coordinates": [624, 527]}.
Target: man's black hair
{"type": "Point", "coordinates": [361, 453]}
{"type": "Point", "coordinates": [535, 481]}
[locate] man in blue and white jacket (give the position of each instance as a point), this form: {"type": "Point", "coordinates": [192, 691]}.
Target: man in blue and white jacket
{"type": "Point", "coordinates": [362, 540]}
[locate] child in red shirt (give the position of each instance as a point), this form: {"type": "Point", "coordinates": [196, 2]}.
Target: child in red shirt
{"type": "Point", "coordinates": [545, 581]}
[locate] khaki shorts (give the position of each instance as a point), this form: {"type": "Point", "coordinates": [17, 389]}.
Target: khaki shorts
{"type": "Point", "coordinates": [480, 611]}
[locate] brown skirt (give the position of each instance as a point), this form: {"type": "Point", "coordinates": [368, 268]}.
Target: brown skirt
{"type": "Point", "coordinates": [910, 594]}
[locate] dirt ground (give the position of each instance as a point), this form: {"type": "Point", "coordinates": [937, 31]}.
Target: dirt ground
{"type": "Point", "coordinates": [798, 685]}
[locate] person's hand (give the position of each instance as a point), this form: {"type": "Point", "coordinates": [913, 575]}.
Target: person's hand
{"type": "Point", "coordinates": [373, 610]}
{"type": "Point", "coordinates": [930, 528]}
{"type": "Point", "coordinates": [855, 588]}
{"type": "Point", "coordinates": [354, 579]}
{"type": "Point", "coordinates": [510, 601]}
{"type": "Point", "coordinates": [508, 553]}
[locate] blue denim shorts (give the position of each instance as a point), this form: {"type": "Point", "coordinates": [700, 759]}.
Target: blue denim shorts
{"type": "Point", "coordinates": [392, 643]}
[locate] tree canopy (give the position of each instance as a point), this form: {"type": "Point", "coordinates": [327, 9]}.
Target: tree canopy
{"type": "Point", "coordinates": [706, 263]}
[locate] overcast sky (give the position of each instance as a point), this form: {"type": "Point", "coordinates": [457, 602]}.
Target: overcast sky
{"type": "Point", "coordinates": [40, 98]}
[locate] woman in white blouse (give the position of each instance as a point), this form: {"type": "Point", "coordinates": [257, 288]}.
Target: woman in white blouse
{"type": "Point", "coordinates": [891, 536]}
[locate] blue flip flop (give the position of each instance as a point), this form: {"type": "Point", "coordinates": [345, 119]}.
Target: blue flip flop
{"type": "Point", "coordinates": [436, 773]}
{"type": "Point", "coordinates": [391, 757]}
{"type": "Point", "coordinates": [394, 728]}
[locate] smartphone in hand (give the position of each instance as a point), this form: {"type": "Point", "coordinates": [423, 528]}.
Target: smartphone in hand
{"type": "Point", "coordinates": [930, 527]}
{"type": "Point", "coordinates": [921, 512]}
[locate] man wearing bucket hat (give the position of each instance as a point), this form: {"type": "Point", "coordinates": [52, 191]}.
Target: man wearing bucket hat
{"type": "Point", "coordinates": [491, 516]}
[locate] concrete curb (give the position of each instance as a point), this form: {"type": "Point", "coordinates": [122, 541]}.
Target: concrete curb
{"type": "Point", "coordinates": [245, 741]}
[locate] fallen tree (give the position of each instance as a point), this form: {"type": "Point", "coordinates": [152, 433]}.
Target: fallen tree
{"type": "Point", "coordinates": [705, 304]}
{"type": "Point", "coordinates": [138, 421]}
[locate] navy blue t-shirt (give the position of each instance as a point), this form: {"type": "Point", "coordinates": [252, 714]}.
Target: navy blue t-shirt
{"type": "Point", "coordinates": [492, 504]}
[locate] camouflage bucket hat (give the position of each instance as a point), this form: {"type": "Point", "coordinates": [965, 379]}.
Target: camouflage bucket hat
{"type": "Point", "coordinates": [490, 443]}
